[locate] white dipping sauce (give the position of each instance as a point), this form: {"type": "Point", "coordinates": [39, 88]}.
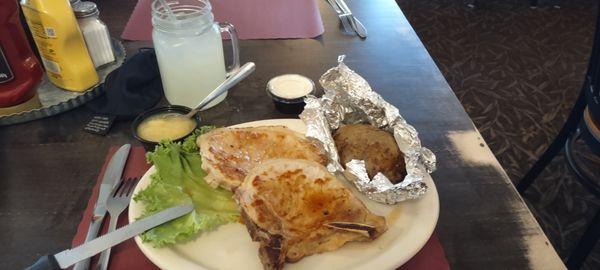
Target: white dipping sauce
{"type": "Point", "coordinates": [290, 86]}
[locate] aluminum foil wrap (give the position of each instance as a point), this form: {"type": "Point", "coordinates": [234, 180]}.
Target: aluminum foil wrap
{"type": "Point", "coordinates": [349, 99]}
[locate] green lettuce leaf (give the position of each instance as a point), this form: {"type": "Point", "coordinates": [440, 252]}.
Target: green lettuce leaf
{"type": "Point", "coordinates": [180, 179]}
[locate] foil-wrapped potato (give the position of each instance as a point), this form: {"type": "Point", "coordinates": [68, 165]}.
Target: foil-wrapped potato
{"type": "Point", "coordinates": [375, 146]}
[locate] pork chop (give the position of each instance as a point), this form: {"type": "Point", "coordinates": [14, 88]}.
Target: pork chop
{"type": "Point", "coordinates": [228, 154]}
{"type": "Point", "coordinates": [296, 208]}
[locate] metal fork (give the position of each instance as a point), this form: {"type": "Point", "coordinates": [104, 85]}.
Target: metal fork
{"type": "Point", "coordinates": [116, 204]}
{"type": "Point", "coordinates": [342, 16]}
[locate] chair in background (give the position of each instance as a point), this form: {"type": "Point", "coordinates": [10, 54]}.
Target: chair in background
{"type": "Point", "coordinates": [583, 122]}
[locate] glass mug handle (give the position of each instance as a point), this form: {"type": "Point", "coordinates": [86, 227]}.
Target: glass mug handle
{"type": "Point", "coordinates": [235, 65]}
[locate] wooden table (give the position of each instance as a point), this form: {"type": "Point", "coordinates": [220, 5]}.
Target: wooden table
{"type": "Point", "coordinates": [48, 167]}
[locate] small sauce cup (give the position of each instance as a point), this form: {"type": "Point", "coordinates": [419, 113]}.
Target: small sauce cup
{"type": "Point", "coordinates": [174, 109]}
{"type": "Point", "coordinates": [288, 92]}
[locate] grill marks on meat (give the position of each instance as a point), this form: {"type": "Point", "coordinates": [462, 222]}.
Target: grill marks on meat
{"type": "Point", "coordinates": [289, 202]}
{"type": "Point", "coordinates": [228, 154]}
{"type": "Point", "coordinates": [296, 208]}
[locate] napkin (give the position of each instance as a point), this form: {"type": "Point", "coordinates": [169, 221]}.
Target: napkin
{"type": "Point", "coordinates": [130, 89]}
{"type": "Point", "coordinates": [127, 255]}
{"type": "Point", "coordinates": [253, 19]}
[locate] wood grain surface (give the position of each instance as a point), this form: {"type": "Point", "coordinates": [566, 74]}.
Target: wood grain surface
{"type": "Point", "coordinates": [48, 167]}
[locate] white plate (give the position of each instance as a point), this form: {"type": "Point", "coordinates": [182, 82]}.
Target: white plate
{"type": "Point", "coordinates": [410, 225]}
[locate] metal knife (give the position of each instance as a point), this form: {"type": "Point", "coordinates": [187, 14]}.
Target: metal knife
{"type": "Point", "coordinates": [341, 16]}
{"type": "Point", "coordinates": [113, 172]}
{"type": "Point", "coordinates": [356, 24]}
{"type": "Point", "coordinates": [68, 257]}
{"type": "Point", "coordinates": [359, 27]}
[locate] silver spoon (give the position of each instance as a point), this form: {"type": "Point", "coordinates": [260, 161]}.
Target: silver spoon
{"type": "Point", "coordinates": [168, 9]}
{"type": "Point", "coordinates": [242, 73]}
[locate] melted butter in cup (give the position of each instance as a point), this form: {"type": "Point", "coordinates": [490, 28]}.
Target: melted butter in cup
{"type": "Point", "coordinates": [165, 126]}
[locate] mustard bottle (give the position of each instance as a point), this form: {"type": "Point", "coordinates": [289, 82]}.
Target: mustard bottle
{"type": "Point", "coordinates": [60, 43]}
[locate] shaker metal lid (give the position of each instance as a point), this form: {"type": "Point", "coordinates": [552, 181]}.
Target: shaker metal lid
{"type": "Point", "coordinates": [85, 9]}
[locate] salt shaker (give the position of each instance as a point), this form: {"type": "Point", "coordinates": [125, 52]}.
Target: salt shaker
{"type": "Point", "coordinates": [94, 32]}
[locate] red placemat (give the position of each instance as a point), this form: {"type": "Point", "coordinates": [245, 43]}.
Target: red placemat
{"type": "Point", "coordinates": [253, 19]}
{"type": "Point", "coordinates": [127, 255]}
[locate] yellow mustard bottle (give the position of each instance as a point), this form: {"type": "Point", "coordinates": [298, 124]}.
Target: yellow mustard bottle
{"type": "Point", "coordinates": [60, 43]}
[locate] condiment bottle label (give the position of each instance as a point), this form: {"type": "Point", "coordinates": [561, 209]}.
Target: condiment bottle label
{"type": "Point", "coordinates": [6, 74]}
{"type": "Point", "coordinates": [47, 51]}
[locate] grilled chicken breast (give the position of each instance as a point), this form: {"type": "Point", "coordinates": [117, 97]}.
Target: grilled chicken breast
{"type": "Point", "coordinates": [228, 154]}
{"type": "Point", "coordinates": [296, 208]}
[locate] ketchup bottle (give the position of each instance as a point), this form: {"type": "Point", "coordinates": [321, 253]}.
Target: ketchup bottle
{"type": "Point", "coordinates": [20, 71]}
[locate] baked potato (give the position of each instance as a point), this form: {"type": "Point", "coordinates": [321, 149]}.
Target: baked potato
{"type": "Point", "coordinates": [375, 146]}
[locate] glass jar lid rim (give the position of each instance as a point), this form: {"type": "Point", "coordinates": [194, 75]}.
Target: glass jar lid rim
{"type": "Point", "coordinates": [183, 10]}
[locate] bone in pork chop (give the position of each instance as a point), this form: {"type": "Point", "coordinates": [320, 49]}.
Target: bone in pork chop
{"type": "Point", "coordinates": [296, 208]}
{"type": "Point", "coordinates": [228, 154]}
